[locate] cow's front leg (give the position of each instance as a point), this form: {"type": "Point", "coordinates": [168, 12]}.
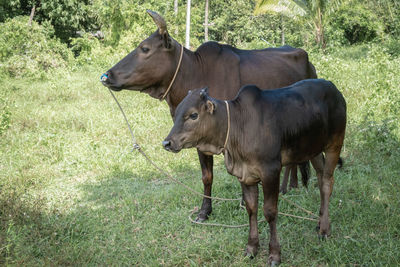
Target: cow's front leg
{"type": "Point", "coordinates": [250, 195]}
{"type": "Point", "coordinates": [270, 184]}
{"type": "Point", "coordinates": [206, 163]}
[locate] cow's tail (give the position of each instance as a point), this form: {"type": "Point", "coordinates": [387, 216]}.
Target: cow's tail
{"type": "Point", "coordinates": [340, 162]}
{"type": "Point", "coordinates": [312, 73]}
{"type": "Point", "coordinates": [305, 172]}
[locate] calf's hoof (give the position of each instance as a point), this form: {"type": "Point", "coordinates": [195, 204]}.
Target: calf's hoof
{"type": "Point", "coordinates": [242, 204]}
{"type": "Point", "coordinates": [283, 190]}
{"type": "Point", "coordinates": [201, 217]}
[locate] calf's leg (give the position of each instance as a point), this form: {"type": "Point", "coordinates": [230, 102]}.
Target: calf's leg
{"type": "Point", "coordinates": [250, 195]}
{"type": "Point", "coordinates": [206, 163]}
{"type": "Point", "coordinates": [270, 185]}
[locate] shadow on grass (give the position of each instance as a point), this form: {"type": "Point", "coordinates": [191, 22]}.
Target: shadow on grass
{"type": "Point", "coordinates": [119, 216]}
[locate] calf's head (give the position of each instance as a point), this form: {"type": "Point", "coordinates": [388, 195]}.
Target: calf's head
{"type": "Point", "coordinates": [197, 124]}
{"type": "Point", "coordinates": [149, 67]}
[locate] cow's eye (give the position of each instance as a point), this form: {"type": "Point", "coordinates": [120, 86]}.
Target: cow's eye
{"type": "Point", "coordinates": [145, 49]}
{"type": "Point", "coordinates": [194, 116]}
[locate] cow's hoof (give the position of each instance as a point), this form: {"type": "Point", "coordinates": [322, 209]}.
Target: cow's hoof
{"type": "Point", "coordinates": [249, 255]}
{"type": "Point", "coordinates": [322, 237]}
{"type": "Point", "coordinates": [274, 263]}
{"type": "Point", "coordinates": [283, 191]}
{"type": "Point", "coordinates": [251, 252]}
{"type": "Point", "coordinates": [274, 260]}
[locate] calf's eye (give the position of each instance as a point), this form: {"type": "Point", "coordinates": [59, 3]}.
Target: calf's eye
{"type": "Point", "coordinates": [145, 49]}
{"type": "Point", "coordinates": [193, 116]}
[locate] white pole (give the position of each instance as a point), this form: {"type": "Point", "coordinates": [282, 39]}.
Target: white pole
{"type": "Point", "coordinates": [187, 43]}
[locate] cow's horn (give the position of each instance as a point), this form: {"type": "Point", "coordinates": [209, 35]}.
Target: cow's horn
{"type": "Point", "coordinates": [159, 21]}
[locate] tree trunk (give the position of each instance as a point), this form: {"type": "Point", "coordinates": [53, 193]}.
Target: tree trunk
{"type": "Point", "coordinates": [282, 31]}
{"type": "Point", "coordinates": [187, 42]}
{"type": "Point", "coordinates": [206, 22]}
{"type": "Point", "coordinates": [319, 27]}
{"type": "Point", "coordinates": [32, 14]}
{"type": "Point", "coordinates": [176, 16]}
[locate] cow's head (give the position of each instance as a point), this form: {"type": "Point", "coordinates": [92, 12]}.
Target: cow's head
{"type": "Point", "coordinates": [198, 124]}
{"type": "Point", "coordinates": [150, 67]}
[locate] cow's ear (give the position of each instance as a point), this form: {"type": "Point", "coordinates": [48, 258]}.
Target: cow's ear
{"type": "Point", "coordinates": [167, 40]}
{"type": "Point", "coordinates": [210, 106]}
{"type": "Point", "coordinates": [162, 27]}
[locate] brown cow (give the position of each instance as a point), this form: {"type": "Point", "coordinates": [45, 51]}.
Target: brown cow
{"type": "Point", "coordinates": [160, 63]}
{"type": "Point", "coordinates": [261, 131]}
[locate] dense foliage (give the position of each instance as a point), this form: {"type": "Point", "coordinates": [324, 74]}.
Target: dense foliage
{"type": "Point", "coordinates": [28, 51]}
{"type": "Point", "coordinates": [101, 31]}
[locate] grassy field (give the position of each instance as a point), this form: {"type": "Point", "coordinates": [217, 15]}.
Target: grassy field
{"type": "Point", "coordinates": [71, 193]}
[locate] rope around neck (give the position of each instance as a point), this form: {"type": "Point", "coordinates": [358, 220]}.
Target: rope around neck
{"type": "Point", "coordinates": [229, 123]}
{"type": "Point", "coordinates": [173, 78]}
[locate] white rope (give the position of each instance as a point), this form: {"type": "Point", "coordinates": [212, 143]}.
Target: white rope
{"type": "Point", "coordinates": [173, 78]}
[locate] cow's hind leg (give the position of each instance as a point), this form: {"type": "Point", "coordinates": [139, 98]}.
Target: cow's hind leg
{"type": "Point", "coordinates": [326, 187]}
{"type": "Point", "coordinates": [270, 184]}
{"type": "Point", "coordinates": [285, 180]}
{"type": "Point", "coordinates": [206, 163]}
{"type": "Point", "coordinates": [318, 165]}
{"type": "Point", "coordinates": [293, 177]}
{"type": "Point", "coordinates": [250, 195]}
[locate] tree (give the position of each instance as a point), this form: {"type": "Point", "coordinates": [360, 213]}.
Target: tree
{"type": "Point", "coordinates": [206, 22]}
{"type": "Point", "coordinates": [312, 10]}
{"type": "Point", "coordinates": [187, 39]}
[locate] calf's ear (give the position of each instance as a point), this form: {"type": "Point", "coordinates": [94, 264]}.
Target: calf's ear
{"type": "Point", "coordinates": [210, 106]}
{"type": "Point", "coordinates": [204, 93]}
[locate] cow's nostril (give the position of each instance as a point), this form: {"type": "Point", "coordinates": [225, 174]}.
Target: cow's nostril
{"type": "Point", "coordinates": [166, 144]}
{"type": "Point", "coordinates": [104, 77]}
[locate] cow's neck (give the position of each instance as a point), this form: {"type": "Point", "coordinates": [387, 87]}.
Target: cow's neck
{"type": "Point", "coordinates": [190, 76]}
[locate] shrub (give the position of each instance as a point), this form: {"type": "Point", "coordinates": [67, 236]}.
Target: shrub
{"type": "Point", "coordinates": [30, 50]}
{"type": "Point", "coordinates": [354, 24]}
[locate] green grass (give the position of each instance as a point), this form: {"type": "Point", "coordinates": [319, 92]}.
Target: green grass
{"type": "Point", "coordinates": [71, 193]}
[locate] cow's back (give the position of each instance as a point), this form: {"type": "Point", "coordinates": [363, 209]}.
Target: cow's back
{"type": "Point", "coordinates": [274, 67]}
{"type": "Point", "coordinates": [227, 69]}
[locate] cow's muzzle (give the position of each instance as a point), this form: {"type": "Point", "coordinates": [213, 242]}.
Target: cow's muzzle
{"type": "Point", "coordinates": [106, 80]}
{"type": "Point", "coordinates": [167, 144]}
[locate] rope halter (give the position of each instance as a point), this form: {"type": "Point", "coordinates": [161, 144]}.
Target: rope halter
{"type": "Point", "coordinates": [229, 123]}
{"type": "Point", "coordinates": [173, 78]}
